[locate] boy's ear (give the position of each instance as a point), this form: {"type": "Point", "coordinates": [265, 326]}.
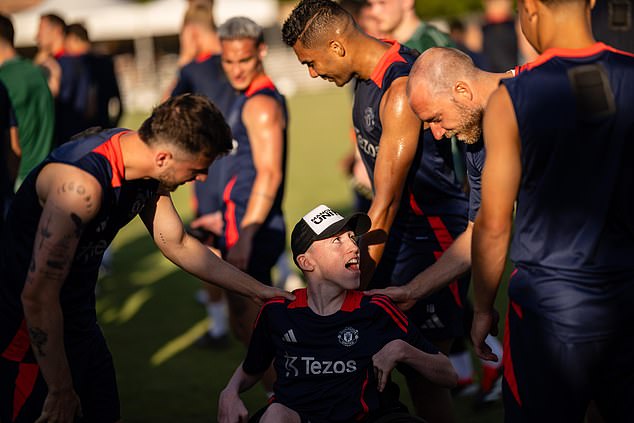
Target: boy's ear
{"type": "Point", "coordinates": [305, 263]}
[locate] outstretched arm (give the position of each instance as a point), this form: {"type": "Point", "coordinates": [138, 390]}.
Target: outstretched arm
{"type": "Point", "coordinates": [399, 141]}
{"type": "Point", "coordinates": [70, 198]}
{"type": "Point", "coordinates": [185, 251]}
{"type": "Point", "coordinates": [492, 230]}
{"type": "Point", "coordinates": [231, 409]}
{"type": "Point", "coordinates": [452, 264]}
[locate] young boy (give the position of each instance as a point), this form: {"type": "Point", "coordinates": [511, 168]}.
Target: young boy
{"type": "Point", "coordinates": [333, 347]}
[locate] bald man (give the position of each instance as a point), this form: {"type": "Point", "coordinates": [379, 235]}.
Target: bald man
{"type": "Point", "coordinates": [418, 205]}
{"type": "Point", "coordinates": [448, 93]}
{"type": "Point", "coordinates": [559, 141]}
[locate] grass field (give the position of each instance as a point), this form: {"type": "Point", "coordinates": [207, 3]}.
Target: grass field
{"type": "Point", "coordinates": [146, 305]}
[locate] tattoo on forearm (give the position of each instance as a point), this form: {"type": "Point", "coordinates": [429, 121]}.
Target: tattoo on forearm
{"type": "Point", "coordinates": [78, 189]}
{"type": "Point", "coordinates": [39, 338]}
{"type": "Point", "coordinates": [45, 231]}
{"type": "Point", "coordinates": [79, 224]}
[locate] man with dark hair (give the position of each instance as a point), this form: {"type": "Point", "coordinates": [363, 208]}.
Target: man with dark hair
{"type": "Point", "coordinates": [103, 106]}
{"type": "Point", "coordinates": [333, 347]}
{"type": "Point", "coordinates": [32, 103]}
{"type": "Point", "coordinates": [559, 142]}
{"type": "Point", "coordinates": [69, 79]}
{"type": "Point", "coordinates": [55, 364]}
{"type": "Point", "coordinates": [418, 206]}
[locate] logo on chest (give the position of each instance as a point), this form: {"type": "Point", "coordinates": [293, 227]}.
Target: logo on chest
{"type": "Point", "coordinates": [348, 336]}
{"type": "Point", "coordinates": [368, 118]}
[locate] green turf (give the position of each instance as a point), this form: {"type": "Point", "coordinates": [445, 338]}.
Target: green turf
{"type": "Point", "coordinates": [147, 308]}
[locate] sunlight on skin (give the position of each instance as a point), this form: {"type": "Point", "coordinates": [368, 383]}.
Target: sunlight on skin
{"type": "Point", "coordinates": [179, 343]}
{"type": "Point", "coordinates": [129, 309]}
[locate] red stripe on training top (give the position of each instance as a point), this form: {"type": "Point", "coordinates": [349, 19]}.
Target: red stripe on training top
{"type": "Point", "coordinates": [111, 150]}
{"type": "Point", "coordinates": [444, 239]}
{"type": "Point", "coordinates": [391, 56]}
{"type": "Point", "coordinates": [59, 53]}
{"type": "Point", "coordinates": [203, 56]}
{"type": "Point", "coordinates": [19, 345]}
{"type": "Point", "coordinates": [24, 383]}
{"type": "Point", "coordinates": [352, 301]}
{"type": "Point", "coordinates": [385, 300]}
{"type": "Point", "coordinates": [231, 227]}
{"type": "Point", "coordinates": [507, 361]}
{"type": "Point", "coordinates": [595, 48]}
{"type": "Point", "coordinates": [392, 315]}
{"type": "Point", "coordinates": [260, 83]}
{"type": "Point", "coordinates": [301, 299]}
{"type": "Point", "coordinates": [276, 300]}
{"type": "Point", "coordinates": [364, 405]}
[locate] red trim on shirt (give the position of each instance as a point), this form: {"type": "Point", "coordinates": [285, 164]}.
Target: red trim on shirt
{"type": "Point", "coordinates": [507, 361]}
{"type": "Point", "coordinates": [352, 301]}
{"type": "Point", "coordinates": [276, 300]}
{"type": "Point", "coordinates": [389, 311]}
{"type": "Point", "coordinates": [444, 239]}
{"type": "Point", "coordinates": [366, 409]}
{"type": "Point", "coordinates": [19, 345]}
{"type": "Point", "coordinates": [301, 299]}
{"type": "Point", "coordinates": [392, 55]}
{"type": "Point", "coordinates": [111, 150]}
{"type": "Point", "coordinates": [231, 222]}
{"type": "Point", "coordinates": [550, 53]}
{"type": "Point", "coordinates": [24, 384]}
{"type": "Point", "coordinates": [59, 53]}
{"type": "Point", "coordinates": [385, 300]}
{"type": "Point", "coordinates": [259, 83]}
{"type": "Point", "coordinates": [201, 57]}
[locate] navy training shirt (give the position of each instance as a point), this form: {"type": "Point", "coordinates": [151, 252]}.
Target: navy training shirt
{"type": "Point", "coordinates": [324, 363]}
{"type": "Point", "coordinates": [575, 204]}
{"type": "Point", "coordinates": [431, 188]}
{"type": "Point", "coordinates": [475, 154]}
{"type": "Point", "coordinates": [100, 156]}
{"type": "Point", "coordinates": [240, 166]}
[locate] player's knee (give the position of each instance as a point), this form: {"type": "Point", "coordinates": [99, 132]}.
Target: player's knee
{"type": "Point", "coordinates": [278, 413]}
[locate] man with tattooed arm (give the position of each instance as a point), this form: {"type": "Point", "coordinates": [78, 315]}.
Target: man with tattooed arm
{"type": "Point", "coordinates": [54, 362]}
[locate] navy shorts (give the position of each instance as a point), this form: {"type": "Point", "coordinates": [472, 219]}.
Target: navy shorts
{"type": "Point", "coordinates": [23, 389]}
{"type": "Point", "coordinates": [407, 253]}
{"type": "Point", "coordinates": [552, 369]}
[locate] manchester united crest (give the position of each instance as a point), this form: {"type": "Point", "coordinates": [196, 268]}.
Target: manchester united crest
{"type": "Point", "coordinates": [348, 336]}
{"type": "Point", "coordinates": [368, 118]}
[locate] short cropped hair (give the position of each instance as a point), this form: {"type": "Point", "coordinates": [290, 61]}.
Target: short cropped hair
{"type": "Point", "coordinates": [6, 29]}
{"type": "Point", "coordinates": [190, 122]}
{"type": "Point", "coordinates": [309, 19]}
{"type": "Point", "coordinates": [239, 28]}
{"type": "Point", "coordinates": [55, 20]}
{"type": "Point", "coordinates": [79, 31]}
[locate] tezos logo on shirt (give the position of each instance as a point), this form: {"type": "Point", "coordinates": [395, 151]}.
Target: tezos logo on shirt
{"type": "Point", "coordinates": [348, 336]}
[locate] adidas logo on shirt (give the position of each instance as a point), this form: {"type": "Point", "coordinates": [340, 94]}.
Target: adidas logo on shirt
{"type": "Point", "coordinates": [433, 323]}
{"type": "Point", "coordinates": [289, 336]}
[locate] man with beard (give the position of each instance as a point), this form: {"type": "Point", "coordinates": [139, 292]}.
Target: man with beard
{"type": "Point", "coordinates": [447, 92]}
{"type": "Point", "coordinates": [418, 205]}
{"type": "Point", "coordinates": [54, 363]}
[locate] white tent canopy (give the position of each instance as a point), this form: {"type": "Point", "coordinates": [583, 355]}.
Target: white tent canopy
{"type": "Point", "coordinates": [124, 19]}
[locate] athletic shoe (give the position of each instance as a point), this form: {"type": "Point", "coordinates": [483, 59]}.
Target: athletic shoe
{"type": "Point", "coordinates": [211, 342]}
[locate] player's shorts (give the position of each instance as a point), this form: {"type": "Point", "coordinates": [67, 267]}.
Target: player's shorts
{"type": "Point", "coordinates": [407, 253]}
{"type": "Point", "coordinates": [268, 245]}
{"type": "Point", "coordinates": [23, 389]}
{"type": "Point", "coordinates": [551, 374]}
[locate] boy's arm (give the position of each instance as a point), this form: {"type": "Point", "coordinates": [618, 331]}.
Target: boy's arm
{"type": "Point", "coordinates": [230, 407]}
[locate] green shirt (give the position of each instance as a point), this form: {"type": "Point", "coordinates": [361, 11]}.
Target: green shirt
{"type": "Point", "coordinates": [427, 36]}
{"type": "Point", "coordinates": [34, 111]}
